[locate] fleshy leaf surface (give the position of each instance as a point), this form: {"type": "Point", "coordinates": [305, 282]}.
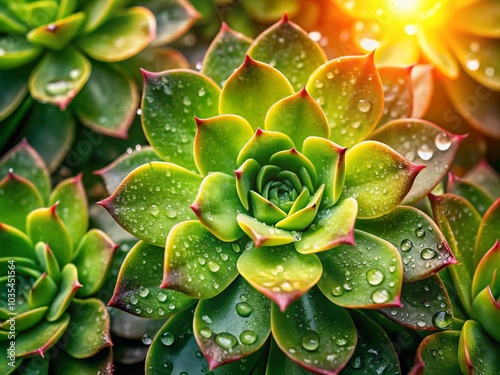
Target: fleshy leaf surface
{"type": "Point", "coordinates": [489, 231]}
{"type": "Point", "coordinates": [377, 177]}
{"type": "Point", "coordinates": [487, 270]}
{"type": "Point", "coordinates": [232, 325]}
{"type": "Point", "coordinates": [138, 290]}
{"type": "Point", "coordinates": [279, 272]}
{"type": "Point", "coordinates": [475, 194]}
{"type": "Point", "coordinates": [444, 343]}
{"type": "Point", "coordinates": [168, 118]}
{"type": "Point", "coordinates": [320, 345]}
{"type": "Point", "coordinates": [14, 243]}
{"type": "Point", "coordinates": [263, 145]}
{"type": "Point", "coordinates": [368, 274]}
{"type": "Point", "coordinates": [68, 287]}
{"type": "Point", "coordinates": [398, 92]}
{"type": "Point", "coordinates": [263, 234]}
{"type": "Point", "coordinates": [13, 90]}
{"type": "Point", "coordinates": [56, 35]}
{"type": "Point", "coordinates": [162, 201]}
{"type": "Point", "coordinates": [17, 51]}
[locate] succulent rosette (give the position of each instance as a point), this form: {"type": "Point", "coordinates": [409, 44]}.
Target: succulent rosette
{"type": "Point", "coordinates": [82, 57]}
{"type": "Point", "coordinates": [51, 267]}
{"type": "Point", "coordinates": [259, 211]}
{"type": "Point", "coordinates": [459, 38]}
{"type": "Point", "coordinates": [469, 215]}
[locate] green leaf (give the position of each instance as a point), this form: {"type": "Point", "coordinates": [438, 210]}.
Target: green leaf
{"type": "Point", "coordinates": [67, 289]}
{"type": "Point", "coordinates": [477, 352]}
{"type": "Point", "coordinates": [398, 92]}
{"type": "Point", "coordinates": [94, 257]}
{"type": "Point", "coordinates": [279, 272]}
{"type": "Point", "coordinates": [425, 305]}
{"type": "Point", "coordinates": [266, 12]}
{"type": "Point", "coordinates": [260, 86]}
{"type": "Point", "coordinates": [51, 132]}
{"type": "Point", "coordinates": [487, 270]}
{"type": "Point", "coordinates": [246, 176]}
{"type": "Point", "coordinates": [14, 243]}
{"type": "Point", "coordinates": [56, 35]}
{"type": "Point", "coordinates": [59, 77]}
{"type": "Point", "coordinates": [298, 116]}
{"type": "Point", "coordinates": [17, 51]}
{"type": "Point", "coordinates": [98, 12]}
{"type": "Point", "coordinates": [302, 218]}
{"type": "Point", "coordinates": [487, 311]}
{"type": "Point", "coordinates": [116, 172]}
{"type": "Point", "coordinates": [18, 197]}
{"type": "Point", "coordinates": [278, 363]}
{"type": "Point", "coordinates": [350, 92]}
{"type": "Point", "coordinates": [13, 90]}
{"type": "Point", "coordinates": [488, 232]}
{"type": "Point", "coordinates": [289, 49]}
{"type": "Point", "coordinates": [168, 118]}
{"type": "Point", "coordinates": [120, 37]}
{"type": "Point", "coordinates": [319, 345]}
{"type": "Point", "coordinates": [26, 319]}
{"type": "Point", "coordinates": [35, 13]}
{"type": "Point", "coordinates": [480, 198]}
{"type": "Point", "coordinates": [377, 177]}
{"type": "Point", "coordinates": [218, 142]}
{"type": "Point", "coordinates": [225, 54]}
{"type": "Point", "coordinates": [331, 227]}
{"type": "Point", "coordinates": [486, 177]}
{"type": "Point", "coordinates": [232, 325]}
{"type": "Point", "coordinates": [90, 328]}
{"type": "Point", "coordinates": [108, 102]}
{"type": "Point", "coordinates": [9, 22]}
{"type": "Point", "coordinates": [197, 263]}
{"type": "Point", "coordinates": [65, 8]}
{"type": "Point", "coordinates": [173, 19]}
{"type": "Point", "coordinates": [437, 353]}
{"type": "Point", "coordinates": [101, 363]}
{"type": "Point", "coordinates": [138, 290]}
{"type": "Point", "coordinates": [25, 162]}
{"type": "Point", "coordinates": [42, 292]}
{"type": "Point", "coordinates": [366, 275]}
{"type": "Point", "coordinates": [41, 338]}
{"type": "Point", "coordinates": [423, 89]}
{"type": "Point", "coordinates": [421, 245]}
{"type": "Point", "coordinates": [44, 224]}
{"type": "Point", "coordinates": [48, 262]}
{"type": "Point", "coordinates": [217, 205]}
{"type": "Point", "coordinates": [70, 196]}
{"type": "Point", "coordinates": [423, 143]}
{"type": "Point", "coordinates": [150, 210]}
{"type": "Point", "coordinates": [329, 161]}
{"type": "Point", "coordinates": [263, 145]}
{"type": "Point", "coordinates": [263, 234]}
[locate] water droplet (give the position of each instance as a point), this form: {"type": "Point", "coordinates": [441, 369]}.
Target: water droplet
{"type": "Point", "coordinates": [380, 296]}
{"type": "Point", "coordinates": [162, 297]}
{"type": "Point", "coordinates": [374, 276]}
{"type": "Point", "coordinates": [442, 320]}
{"type": "Point", "coordinates": [337, 291]}
{"type": "Point", "coordinates": [171, 213]}
{"type": "Point", "coordinates": [235, 247]}
{"type": "Point", "coordinates": [206, 319]}
{"type": "Point", "coordinates": [213, 266]}
{"type": "Point", "coordinates": [406, 245]}
{"type": "Point", "coordinates": [167, 339]}
{"type": "Point", "coordinates": [143, 292]}
{"type": "Point", "coordinates": [427, 254]}
{"type": "Point", "coordinates": [489, 71]}
{"type": "Point", "coordinates": [472, 63]}
{"type": "Point", "coordinates": [425, 152]}
{"type": "Point", "coordinates": [160, 311]}
{"type": "Point", "coordinates": [225, 340]}
{"type": "Point", "coordinates": [341, 342]}
{"type": "Point", "coordinates": [427, 303]}
{"type": "Point", "coordinates": [243, 309]}
{"type": "Point", "coordinates": [154, 210]}
{"type": "Point", "coordinates": [421, 324]}
{"type": "Point", "coordinates": [58, 87]}
{"type": "Point", "coordinates": [201, 92]}
{"type": "Point", "coordinates": [248, 337]}
{"type": "Point", "coordinates": [133, 299]}
{"type": "Point", "coordinates": [420, 232]}
{"type": "Point", "coordinates": [206, 332]}
{"type": "Point", "coordinates": [364, 105]}
{"type": "Point", "coordinates": [75, 73]}
{"type": "Point", "coordinates": [310, 340]}
{"type": "Point", "coordinates": [357, 362]}
{"type": "Point", "coordinates": [146, 339]}
{"type": "Point", "coordinates": [442, 141]}
{"type": "Point", "coordinates": [186, 101]}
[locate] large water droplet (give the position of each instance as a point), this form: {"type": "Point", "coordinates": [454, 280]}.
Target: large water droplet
{"type": "Point", "coordinates": [243, 309]}
{"type": "Point", "coordinates": [310, 340]}
{"type": "Point", "coordinates": [143, 292]}
{"type": "Point", "coordinates": [406, 245]}
{"type": "Point", "coordinates": [213, 266]}
{"type": "Point", "coordinates": [133, 299]}
{"type": "Point", "coordinates": [425, 152]}
{"type": "Point", "coordinates": [206, 332]}
{"type": "Point", "coordinates": [374, 276]}
{"type": "Point", "coordinates": [58, 87]}
{"type": "Point", "coordinates": [248, 337]}
{"type": "Point", "coordinates": [442, 141]}
{"type": "Point", "coordinates": [380, 296]}
{"type": "Point", "coordinates": [428, 253]}
{"type": "Point", "coordinates": [161, 296]}
{"type": "Point", "coordinates": [420, 232]}
{"type": "Point", "coordinates": [167, 339]}
{"type": "Point", "coordinates": [154, 210]}
{"type": "Point", "coordinates": [206, 319]}
{"type": "Point", "coordinates": [364, 105]}
{"type": "Point", "coordinates": [146, 339]}
{"type": "Point", "coordinates": [225, 340]}
{"type": "Point", "coordinates": [337, 291]}
{"type": "Point", "coordinates": [442, 320]}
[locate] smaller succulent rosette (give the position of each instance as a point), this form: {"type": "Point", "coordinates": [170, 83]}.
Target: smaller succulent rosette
{"type": "Point", "coordinates": [259, 211]}
{"type": "Point", "coordinates": [51, 267]}
{"type": "Point", "coordinates": [469, 215]}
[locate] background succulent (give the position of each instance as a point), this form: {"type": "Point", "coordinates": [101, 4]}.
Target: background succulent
{"type": "Point", "coordinates": [86, 54]}
{"type": "Point", "coordinates": [469, 215]}
{"type": "Point", "coordinates": [271, 206]}
{"type": "Point", "coordinates": [58, 265]}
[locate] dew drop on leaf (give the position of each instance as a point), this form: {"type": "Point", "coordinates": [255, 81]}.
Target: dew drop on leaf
{"type": "Point", "coordinates": [146, 339]}
{"type": "Point", "coordinates": [425, 152]}
{"type": "Point", "coordinates": [248, 337]}
{"type": "Point", "coordinates": [243, 309]}
{"type": "Point", "coordinates": [154, 210]}
{"type": "Point", "coordinates": [380, 296]}
{"type": "Point", "coordinates": [167, 339]}
{"type": "Point", "coordinates": [206, 332]}
{"type": "Point", "coordinates": [337, 291]}
{"type": "Point", "coordinates": [442, 141]}
{"type": "Point", "coordinates": [364, 105]}
{"type": "Point", "coordinates": [206, 319]}
{"type": "Point", "coordinates": [420, 232]}
{"type": "Point", "coordinates": [310, 340]}
{"type": "Point", "coordinates": [162, 297]}
{"type": "Point", "coordinates": [428, 253]}
{"type": "Point", "coordinates": [374, 276]}
{"type": "Point", "coordinates": [133, 299]}
{"type": "Point", "coordinates": [442, 320]}
{"type": "Point", "coordinates": [406, 245]}
{"type": "Point", "coordinates": [143, 292]}
{"type": "Point", "coordinates": [226, 340]}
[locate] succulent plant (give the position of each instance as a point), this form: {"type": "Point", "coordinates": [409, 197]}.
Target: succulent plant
{"type": "Point", "coordinates": [460, 39]}
{"type": "Point", "coordinates": [51, 267]}
{"type": "Point", "coordinates": [469, 216]}
{"type": "Point", "coordinates": [260, 212]}
{"type": "Point", "coordinates": [85, 54]}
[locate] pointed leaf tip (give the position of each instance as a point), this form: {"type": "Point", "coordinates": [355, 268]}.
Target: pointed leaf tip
{"type": "Point", "coordinates": [285, 18]}
{"type": "Point", "coordinates": [53, 208]}
{"type": "Point", "coordinates": [259, 132]}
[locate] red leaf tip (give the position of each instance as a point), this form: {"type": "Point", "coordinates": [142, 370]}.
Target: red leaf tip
{"type": "Point", "coordinates": [249, 61]}
{"type": "Point", "coordinates": [195, 207]}
{"type": "Point", "coordinates": [238, 173]}
{"type": "Point", "coordinates": [198, 121]}
{"type": "Point", "coordinates": [53, 208]}
{"type": "Point", "coordinates": [259, 132]}
{"type": "Point", "coordinates": [285, 18]}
